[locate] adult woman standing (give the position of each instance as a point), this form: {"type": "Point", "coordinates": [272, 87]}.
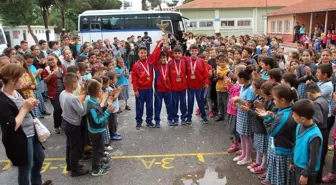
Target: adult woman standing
{"type": "Point", "coordinates": [53, 77]}
{"type": "Point", "coordinates": [191, 40]}
{"type": "Point", "coordinates": [17, 125]}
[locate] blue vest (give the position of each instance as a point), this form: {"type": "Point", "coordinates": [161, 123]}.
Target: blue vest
{"type": "Point", "coordinates": [264, 75]}
{"type": "Point", "coordinates": [301, 149]}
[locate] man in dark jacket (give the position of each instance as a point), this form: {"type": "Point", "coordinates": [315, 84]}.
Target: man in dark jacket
{"type": "Point", "coordinates": [297, 32]}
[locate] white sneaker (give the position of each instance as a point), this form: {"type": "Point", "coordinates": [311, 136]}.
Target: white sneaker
{"type": "Point", "coordinates": [108, 148]}
{"type": "Point", "coordinates": [242, 163]}
{"type": "Point", "coordinates": [236, 159]}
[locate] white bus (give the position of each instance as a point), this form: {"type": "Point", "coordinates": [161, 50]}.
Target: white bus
{"type": "Point", "coordinates": [3, 42]}
{"type": "Point", "coordinates": [107, 24]}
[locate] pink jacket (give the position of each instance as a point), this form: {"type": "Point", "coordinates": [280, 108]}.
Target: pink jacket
{"type": "Point", "coordinates": [233, 91]}
{"type": "Point", "coordinates": [334, 134]}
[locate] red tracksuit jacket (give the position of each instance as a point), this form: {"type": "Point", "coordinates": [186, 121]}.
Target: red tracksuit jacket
{"type": "Point", "coordinates": [139, 75]}
{"type": "Point", "coordinates": [161, 83]}
{"type": "Point", "coordinates": [182, 68]}
{"type": "Point", "coordinates": [201, 74]}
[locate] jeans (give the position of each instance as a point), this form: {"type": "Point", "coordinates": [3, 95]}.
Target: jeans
{"type": "Point", "coordinates": [145, 96]}
{"type": "Point", "coordinates": [57, 114]}
{"type": "Point", "coordinates": [30, 174]}
{"type": "Point", "coordinates": [222, 99]}
{"type": "Point", "coordinates": [98, 149]}
{"type": "Point", "coordinates": [113, 124]}
{"type": "Point", "coordinates": [74, 147]}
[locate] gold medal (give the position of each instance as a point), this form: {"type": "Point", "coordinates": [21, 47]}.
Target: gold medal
{"type": "Point", "coordinates": [192, 76]}
{"type": "Point", "coordinates": [148, 78]}
{"type": "Point", "coordinates": [178, 79]}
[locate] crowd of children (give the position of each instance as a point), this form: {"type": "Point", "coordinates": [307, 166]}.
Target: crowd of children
{"type": "Point", "coordinates": [284, 109]}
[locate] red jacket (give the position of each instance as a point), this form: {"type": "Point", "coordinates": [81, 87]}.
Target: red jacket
{"type": "Point", "coordinates": [178, 85]}
{"type": "Point", "coordinates": [201, 74]}
{"type": "Point", "coordinates": [139, 75]}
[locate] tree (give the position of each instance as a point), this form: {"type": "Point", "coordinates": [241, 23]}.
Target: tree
{"type": "Point", "coordinates": [20, 12]}
{"type": "Point", "coordinates": [155, 3]}
{"type": "Point", "coordinates": [187, 1]}
{"type": "Point", "coordinates": [105, 4]}
{"type": "Point", "coordinates": [45, 6]}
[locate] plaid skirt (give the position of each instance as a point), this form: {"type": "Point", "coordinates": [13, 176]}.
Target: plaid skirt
{"type": "Point", "coordinates": [277, 167]}
{"type": "Point", "coordinates": [260, 142]}
{"type": "Point", "coordinates": [244, 125]}
{"type": "Point", "coordinates": [302, 94]}
{"type": "Point", "coordinates": [124, 94]}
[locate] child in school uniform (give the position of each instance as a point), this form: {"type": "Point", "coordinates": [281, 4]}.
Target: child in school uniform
{"type": "Point", "coordinates": [221, 87]}
{"type": "Point", "coordinates": [305, 72]}
{"type": "Point", "coordinates": [106, 89]}
{"type": "Point", "coordinates": [178, 76]}
{"type": "Point", "coordinates": [266, 63]}
{"type": "Point", "coordinates": [320, 118]}
{"type": "Point", "coordinates": [281, 135]}
{"type": "Point", "coordinates": [258, 128]}
{"type": "Point", "coordinates": [234, 91]}
{"type": "Point", "coordinates": [97, 118]}
{"type": "Point", "coordinates": [162, 85]}
{"type": "Point", "coordinates": [197, 79]}
{"type": "Point", "coordinates": [244, 126]}
{"type": "Point", "coordinates": [262, 45]}
{"type": "Point", "coordinates": [122, 76]}
{"type": "Point", "coordinates": [308, 144]}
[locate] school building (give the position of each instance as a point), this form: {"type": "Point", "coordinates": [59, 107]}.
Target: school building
{"type": "Point", "coordinates": [308, 12]}
{"type": "Point", "coordinates": [230, 17]}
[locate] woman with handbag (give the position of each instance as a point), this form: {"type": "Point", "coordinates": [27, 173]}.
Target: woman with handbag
{"type": "Point", "coordinates": [17, 125]}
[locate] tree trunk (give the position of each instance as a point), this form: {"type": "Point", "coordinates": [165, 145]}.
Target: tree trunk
{"type": "Point", "coordinates": [63, 20]}
{"type": "Point", "coordinates": [46, 20]}
{"type": "Point", "coordinates": [32, 34]}
{"type": "Point", "coordinates": [143, 4]}
{"type": "Point", "coordinates": [160, 6]}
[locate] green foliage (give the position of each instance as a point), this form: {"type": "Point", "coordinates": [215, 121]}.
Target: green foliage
{"type": "Point", "coordinates": [20, 12]}
{"type": "Point", "coordinates": [187, 1]}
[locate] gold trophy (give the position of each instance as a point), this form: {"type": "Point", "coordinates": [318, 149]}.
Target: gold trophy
{"type": "Point", "coordinates": [163, 28]}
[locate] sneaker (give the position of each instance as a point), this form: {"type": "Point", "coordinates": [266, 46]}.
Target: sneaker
{"type": "Point", "coordinates": [106, 159]}
{"type": "Point", "coordinates": [100, 172]}
{"type": "Point", "coordinates": [189, 122]}
{"type": "Point", "coordinates": [57, 131]}
{"type": "Point", "coordinates": [262, 176]}
{"type": "Point", "coordinates": [175, 123]}
{"type": "Point", "coordinates": [198, 112]}
{"type": "Point", "coordinates": [116, 137]}
{"type": "Point", "coordinates": [150, 125]}
{"type": "Point", "coordinates": [242, 163]}
{"type": "Point", "coordinates": [157, 126]}
{"type": "Point", "coordinates": [47, 182]}
{"type": "Point", "coordinates": [239, 152]}
{"type": "Point", "coordinates": [236, 159]}
{"type": "Point", "coordinates": [46, 113]}
{"type": "Point", "coordinates": [329, 178]}
{"type": "Point", "coordinates": [219, 118]}
{"type": "Point", "coordinates": [108, 148]}
{"type": "Point", "coordinates": [127, 107]}
{"type": "Point", "coordinates": [205, 121]}
{"type": "Point", "coordinates": [233, 148]}
{"type": "Point", "coordinates": [265, 182]}
{"type": "Point", "coordinates": [81, 172]}
{"type": "Point", "coordinates": [252, 165]}
{"type": "Point", "coordinates": [211, 114]}
{"type": "Point", "coordinates": [257, 170]}
{"type": "Point", "coordinates": [184, 123]}
{"type": "Point", "coordinates": [138, 127]}
{"type": "Point", "coordinates": [106, 166]}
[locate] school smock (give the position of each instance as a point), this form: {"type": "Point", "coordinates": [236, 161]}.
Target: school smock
{"type": "Point", "coordinates": [305, 137]}
{"type": "Point", "coordinates": [177, 74]}
{"type": "Point", "coordinates": [123, 80]}
{"type": "Point", "coordinates": [201, 75]}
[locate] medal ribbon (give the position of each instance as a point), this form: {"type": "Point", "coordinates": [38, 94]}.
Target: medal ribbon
{"type": "Point", "coordinates": [164, 72]}
{"type": "Point", "coordinates": [193, 66]}
{"type": "Point", "coordinates": [146, 69]}
{"type": "Point", "coordinates": [178, 71]}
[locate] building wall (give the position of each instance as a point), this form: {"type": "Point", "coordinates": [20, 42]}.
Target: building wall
{"type": "Point", "coordinates": [17, 34]}
{"type": "Point", "coordinates": [286, 34]}
{"type": "Point", "coordinates": [242, 20]}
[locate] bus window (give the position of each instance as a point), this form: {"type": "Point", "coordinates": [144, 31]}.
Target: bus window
{"type": "Point", "coordinates": [2, 38]}
{"type": "Point", "coordinates": [112, 23]}
{"type": "Point", "coordinates": [84, 23]}
{"type": "Point", "coordinates": [136, 22]}
{"type": "Point", "coordinates": [152, 21]}
{"type": "Point", "coordinates": [95, 26]}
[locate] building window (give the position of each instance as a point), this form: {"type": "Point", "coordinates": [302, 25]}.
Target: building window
{"type": "Point", "coordinates": [244, 23]}
{"type": "Point", "coordinates": [279, 26]}
{"type": "Point", "coordinates": [227, 23]}
{"type": "Point", "coordinates": [206, 24]}
{"type": "Point", "coordinates": [287, 26]}
{"type": "Point", "coordinates": [192, 24]}
{"type": "Point", "coordinates": [273, 27]}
